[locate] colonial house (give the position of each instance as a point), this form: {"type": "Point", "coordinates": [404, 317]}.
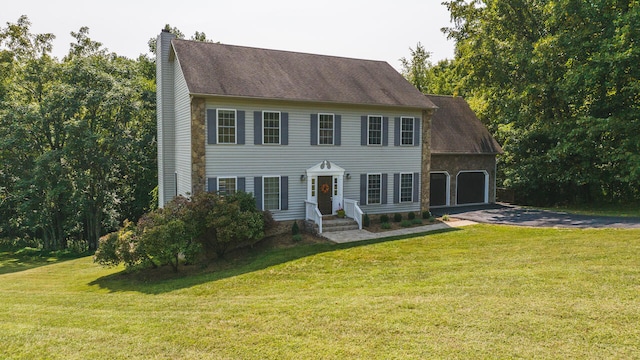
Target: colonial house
{"type": "Point", "coordinates": [306, 134]}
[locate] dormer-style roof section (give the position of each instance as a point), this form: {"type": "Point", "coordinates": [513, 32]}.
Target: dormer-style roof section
{"type": "Point", "coordinates": [455, 129]}
{"type": "Point", "coordinates": [236, 71]}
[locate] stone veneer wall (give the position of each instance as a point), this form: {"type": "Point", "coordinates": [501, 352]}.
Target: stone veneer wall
{"type": "Point", "coordinates": [198, 166]}
{"type": "Point", "coordinates": [426, 159]}
{"type": "Point", "coordinates": [453, 164]}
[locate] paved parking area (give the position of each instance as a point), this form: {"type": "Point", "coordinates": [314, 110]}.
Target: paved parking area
{"type": "Point", "coordinates": [515, 215]}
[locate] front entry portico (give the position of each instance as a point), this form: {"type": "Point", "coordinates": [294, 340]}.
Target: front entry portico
{"type": "Point", "coordinates": [325, 195]}
{"type": "Point", "coordinates": [325, 187]}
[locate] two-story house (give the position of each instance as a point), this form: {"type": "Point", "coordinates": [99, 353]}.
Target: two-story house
{"type": "Point", "coordinates": [306, 134]}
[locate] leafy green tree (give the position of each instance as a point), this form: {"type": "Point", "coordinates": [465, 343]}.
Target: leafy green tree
{"type": "Point", "coordinates": [416, 69]}
{"type": "Point", "coordinates": [556, 83]}
{"type": "Point", "coordinates": [76, 138]}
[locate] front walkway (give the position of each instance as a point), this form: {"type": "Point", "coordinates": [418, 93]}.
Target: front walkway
{"type": "Point", "coordinates": [359, 235]}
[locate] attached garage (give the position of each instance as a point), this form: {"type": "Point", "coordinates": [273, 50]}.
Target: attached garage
{"type": "Point", "coordinates": [472, 187]}
{"type": "Point", "coordinates": [463, 155]}
{"type": "Point", "coordinates": [439, 189]}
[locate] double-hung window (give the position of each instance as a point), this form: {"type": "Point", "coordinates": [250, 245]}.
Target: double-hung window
{"type": "Point", "coordinates": [374, 189]}
{"type": "Point", "coordinates": [271, 192]}
{"type": "Point", "coordinates": [326, 129]}
{"type": "Point", "coordinates": [271, 127]}
{"type": "Point", "coordinates": [227, 186]}
{"type": "Point", "coordinates": [406, 130]}
{"type": "Point", "coordinates": [374, 130]}
{"type": "Point", "coordinates": [406, 187]}
{"type": "Point", "coordinates": [226, 126]}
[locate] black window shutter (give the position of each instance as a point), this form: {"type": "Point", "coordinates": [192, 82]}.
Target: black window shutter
{"type": "Point", "coordinates": [240, 127]}
{"type": "Point", "coordinates": [396, 188]}
{"type": "Point", "coordinates": [396, 132]}
{"type": "Point", "coordinates": [257, 191]}
{"type": "Point", "coordinates": [363, 189]}
{"type": "Point", "coordinates": [416, 132]}
{"type": "Point", "coordinates": [416, 187]}
{"type": "Point", "coordinates": [257, 127]}
{"type": "Point", "coordinates": [241, 184]}
{"type": "Point", "coordinates": [284, 128]}
{"type": "Point", "coordinates": [337, 133]}
{"type": "Point", "coordinates": [385, 131]}
{"type": "Point", "coordinates": [314, 129]}
{"type": "Point", "coordinates": [284, 193]}
{"type": "Point", "coordinates": [211, 126]}
{"type": "Point", "coordinates": [212, 184]}
{"type": "Point", "coordinates": [364, 136]}
{"type": "Point", "coordinates": [383, 190]}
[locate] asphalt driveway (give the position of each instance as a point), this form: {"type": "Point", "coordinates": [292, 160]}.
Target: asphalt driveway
{"type": "Point", "coordinates": [515, 215]}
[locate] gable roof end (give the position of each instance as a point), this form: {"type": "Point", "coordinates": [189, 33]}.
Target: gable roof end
{"type": "Point", "coordinates": [236, 71]}
{"type": "Point", "coordinates": [455, 129]}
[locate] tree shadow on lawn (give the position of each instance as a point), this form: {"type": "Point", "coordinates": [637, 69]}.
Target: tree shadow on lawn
{"type": "Point", "coordinates": [17, 260]}
{"type": "Point", "coordinates": [164, 280]}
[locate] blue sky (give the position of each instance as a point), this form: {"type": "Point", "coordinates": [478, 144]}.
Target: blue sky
{"type": "Point", "coordinates": [377, 30]}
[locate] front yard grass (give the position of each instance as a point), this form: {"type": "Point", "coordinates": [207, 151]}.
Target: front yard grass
{"type": "Point", "coordinates": [623, 210]}
{"type": "Point", "coordinates": [478, 292]}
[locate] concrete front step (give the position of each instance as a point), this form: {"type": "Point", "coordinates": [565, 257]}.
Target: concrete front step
{"type": "Point", "coordinates": [335, 225]}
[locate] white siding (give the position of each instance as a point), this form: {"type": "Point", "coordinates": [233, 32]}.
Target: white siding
{"type": "Point", "coordinates": [165, 120]}
{"type": "Point", "coordinates": [292, 160]}
{"type": "Point", "coordinates": [182, 131]}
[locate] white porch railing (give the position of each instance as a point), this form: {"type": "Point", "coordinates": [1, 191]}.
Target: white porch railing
{"type": "Point", "coordinates": [312, 213]}
{"type": "Point", "coordinates": [352, 210]}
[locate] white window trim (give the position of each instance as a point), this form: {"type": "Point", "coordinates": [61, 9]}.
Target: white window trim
{"type": "Point", "coordinates": [381, 129]}
{"type": "Point", "coordinates": [333, 129]}
{"type": "Point", "coordinates": [279, 127]}
{"type": "Point", "coordinates": [279, 192]}
{"type": "Point", "coordinates": [368, 202]}
{"type": "Point", "coordinates": [447, 201]}
{"type": "Point", "coordinates": [413, 127]}
{"type": "Point", "coordinates": [400, 188]}
{"type": "Point", "coordinates": [226, 177]}
{"type": "Point", "coordinates": [486, 185]}
{"type": "Point", "coordinates": [235, 127]}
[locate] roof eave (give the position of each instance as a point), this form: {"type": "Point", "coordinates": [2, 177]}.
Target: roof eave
{"type": "Point", "coordinates": [303, 101]}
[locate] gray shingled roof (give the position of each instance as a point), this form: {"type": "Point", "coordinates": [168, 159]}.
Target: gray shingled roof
{"type": "Point", "coordinates": [226, 70]}
{"type": "Point", "coordinates": [455, 129]}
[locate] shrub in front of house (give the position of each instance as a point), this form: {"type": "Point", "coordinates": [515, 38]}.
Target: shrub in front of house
{"type": "Point", "coordinates": [183, 229]}
{"type": "Point", "coordinates": [297, 237]}
{"type": "Point", "coordinates": [385, 225]}
{"type": "Point", "coordinates": [406, 223]}
{"type": "Point", "coordinates": [231, 221]}
{"type": "Point", "coordinates": [384, 218]}
{"type": "Point", "coordinates": [397, 217]}
{"type": "Point", "coordinates": [426, 214]}
{"type": "Point", "coordinates": [411, 215]}
{"type": "Point", "coordinates": [106, 254]}
{"type": "Point", "coordinates": [295, 229]}
{"type": "Point", "coordinates": [416, 221]}
{"type": "Point", "coordinates": [365, 220]}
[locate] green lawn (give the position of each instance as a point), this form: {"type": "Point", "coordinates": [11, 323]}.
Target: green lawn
{"type": "Point", "coordinates": [478, 292]}
{"type": "Point", "coordinates": [624, 210]}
